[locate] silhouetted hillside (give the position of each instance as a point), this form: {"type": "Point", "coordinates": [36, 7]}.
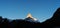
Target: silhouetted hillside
{"type": "Point", "coordinates": [53, 22]}
{"type": "Point", "coordinates": [4, 23]}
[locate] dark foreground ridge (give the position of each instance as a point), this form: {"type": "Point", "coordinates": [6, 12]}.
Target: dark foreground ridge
{"type": "Point", "coordinates": [53, 22]}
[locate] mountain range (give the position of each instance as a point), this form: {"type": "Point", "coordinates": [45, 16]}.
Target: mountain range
{"type": "Point", "coordinates": [53, 22]}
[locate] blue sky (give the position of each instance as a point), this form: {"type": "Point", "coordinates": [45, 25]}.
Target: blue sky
{"type": "Point", "coordinates": [18, 9]}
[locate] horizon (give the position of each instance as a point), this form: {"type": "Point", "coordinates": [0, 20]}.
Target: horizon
{"type": "Point", "coordinates": [18, 9]}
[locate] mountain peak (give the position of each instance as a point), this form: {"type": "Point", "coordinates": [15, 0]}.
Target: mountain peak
{"type": "Point", "coordinates": [29, 15]}
{"type": "Point", "coordinates": [30, 18]}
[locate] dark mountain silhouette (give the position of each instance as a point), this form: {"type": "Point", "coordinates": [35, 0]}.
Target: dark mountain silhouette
{"type": "Point", "coordinates": [53, 22]}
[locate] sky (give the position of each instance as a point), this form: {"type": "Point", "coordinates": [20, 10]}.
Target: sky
{"type": "Point", "coordinates": [18, 9]}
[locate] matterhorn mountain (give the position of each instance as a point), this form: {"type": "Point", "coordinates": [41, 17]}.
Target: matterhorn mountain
{"type": "Point", "coordinates": [30, 18]}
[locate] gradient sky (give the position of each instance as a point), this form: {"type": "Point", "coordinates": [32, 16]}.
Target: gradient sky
{"type": "Point", "coordinates": [18, 9]}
